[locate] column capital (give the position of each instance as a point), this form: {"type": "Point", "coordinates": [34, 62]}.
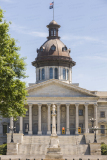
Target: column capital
{"type": "Point", "coordinates": [39, 104]}
{"type": "Point", "coordinates": [30, 104]}
{"type": "Point", "coordinates": [86, 104]}
{"type": "Point", "coordinates": [49, 104]}
{"type": "Point", "coordinates": [77, 104]}
{"type": "Point", "coordinates": [95, 104]}
{"type": "Point", "coordinates": [58, 104]}
{"type": "Point", "coordinates": [67, 104]}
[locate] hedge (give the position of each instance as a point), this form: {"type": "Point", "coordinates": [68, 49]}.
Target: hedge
{"type": "Point", "coordinates": [3, 149]}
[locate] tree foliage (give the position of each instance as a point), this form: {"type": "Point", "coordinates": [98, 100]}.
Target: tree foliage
{"type": "Point", "coordinates": [104, 149]}
{"type": "Point", "coordinates": [3, 149]}
{"type": "Point", "coordinates": [12, 69]}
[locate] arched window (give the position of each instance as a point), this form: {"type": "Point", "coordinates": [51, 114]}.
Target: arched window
{"type": "Point", "coordinates": [51, 32]}
{"type": "Point", "coordinates": [39, 74]}
{"type": "Point", "coordinates": [51, 73]}
{"type": "Point", "coordinates": [53, 48]}
{"type": "Point", "coordinates": [54, 32]}
{"type": "Point", "coordinates": [43, 74]}
{"type": "Point", "coordinates": [67, 74]}
{"type": "Point", "coordinates": [56, 73]}
{"type": "Point", "coordinates": [64, 73]}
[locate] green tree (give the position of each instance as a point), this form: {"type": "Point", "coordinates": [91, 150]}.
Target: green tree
{"type": "Point", "coordinates": [104, 149]}
{"type": "Point", "coordinates": [12, 68]}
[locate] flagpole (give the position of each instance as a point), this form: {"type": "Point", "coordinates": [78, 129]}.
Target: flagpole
{"type": "Point", "coordinates": [53, 9]}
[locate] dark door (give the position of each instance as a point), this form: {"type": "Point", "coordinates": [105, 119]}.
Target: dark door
{"type": "Point", "coordinates": [72, 128]}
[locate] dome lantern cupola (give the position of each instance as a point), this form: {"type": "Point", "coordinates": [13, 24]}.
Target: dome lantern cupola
{"type": "Point", "coordinates": [53, 60]}
{"type": "Point", "coordinates": [53, 30]}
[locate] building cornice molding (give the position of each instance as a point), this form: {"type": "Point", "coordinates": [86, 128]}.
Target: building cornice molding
{"type": "Point", "coordinates": [70, 86]}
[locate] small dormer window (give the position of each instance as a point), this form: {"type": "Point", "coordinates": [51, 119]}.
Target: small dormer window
{"type": "Point", "coordinates": [64, 49]}
{"type": "Point", "coordinates": [53, 48]}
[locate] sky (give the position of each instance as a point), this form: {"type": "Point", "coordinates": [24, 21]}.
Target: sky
{"type": "Point", "coordinates": [83, 29]}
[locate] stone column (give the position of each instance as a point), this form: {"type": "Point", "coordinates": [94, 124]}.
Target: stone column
{"type": "Point", "coordinates": [30, 119]}
{"type": "Point", "coordinates": [58, 119]}
{"type": "Point", "coordinates": [67, 119]}
{"type": "Point", "coordinates": [39, 119]}
{"type": "Point", "coordinates": [49, 122]}
{"type": "Point", "coordinates": [95, 115]}
{"type": "Point", "coordinates": [21, 125]}
{"type": "Point", "coordinates": [11, 123]}
{"type": "Point", "coordinates": [77, 118]}
{"type": "Point", "coordinates": [86, 117]}
{"type": "Point", "coordinates": [70, 75]}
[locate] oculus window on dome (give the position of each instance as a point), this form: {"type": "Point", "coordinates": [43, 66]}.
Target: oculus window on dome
{"type": "Point", "coordinates": [53, 48]}
{"type": "Point", "coordinates": [64, 48]}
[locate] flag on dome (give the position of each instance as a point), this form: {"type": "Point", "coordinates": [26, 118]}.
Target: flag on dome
{"type": "Point", "coordinates": [51, 5]}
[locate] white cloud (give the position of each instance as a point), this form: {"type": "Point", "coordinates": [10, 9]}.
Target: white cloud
{"type": "Point", "coordinates": [24, 30]}
{"type": "Point", "coordinates": [83, 39]}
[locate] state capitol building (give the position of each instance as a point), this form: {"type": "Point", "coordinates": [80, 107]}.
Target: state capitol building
{"type": "Point", "coordinates": [75, 106]}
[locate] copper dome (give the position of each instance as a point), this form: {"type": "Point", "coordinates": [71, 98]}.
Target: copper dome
{"type": "Point", "coordinates": [59, 56]}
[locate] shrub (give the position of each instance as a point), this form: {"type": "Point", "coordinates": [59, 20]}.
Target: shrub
{"type": "Point", "coordinates": [3, 149]}
{"type": "Point", "coordinates": [104, 149]}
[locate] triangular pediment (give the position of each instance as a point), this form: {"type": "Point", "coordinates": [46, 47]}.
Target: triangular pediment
{"type": "Point", "coordinates": [56, 88]}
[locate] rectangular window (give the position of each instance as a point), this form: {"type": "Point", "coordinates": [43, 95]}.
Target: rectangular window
{"type": "Point", "coordinates": [102, 114]}
{"type": "Point", "coordinates": [103, 129]}
{"type": "Point", "coordinates": [4, 130]}
{"type": "Point", "coordinates": [80, 112]}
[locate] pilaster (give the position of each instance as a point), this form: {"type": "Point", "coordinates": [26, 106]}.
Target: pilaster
{"type": "Point", "coordinates": [67, 119]}
{"type": "Point", "coordinates": [77, 118]}
{"type": "Point", "coordinates": [39, 119]}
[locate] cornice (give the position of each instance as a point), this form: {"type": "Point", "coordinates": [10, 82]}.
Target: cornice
{"type": "Point", "coordinates": [70, 86]}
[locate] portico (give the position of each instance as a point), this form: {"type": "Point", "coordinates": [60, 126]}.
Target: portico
{"type": "Point", "coordinates": [64, 117]}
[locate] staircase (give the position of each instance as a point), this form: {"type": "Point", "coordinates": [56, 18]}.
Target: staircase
{"type": "Point", "coordinates": [70, 145]}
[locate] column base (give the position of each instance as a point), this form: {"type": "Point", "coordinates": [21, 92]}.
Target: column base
{"type": "Point", "coordinates": [30, 132]}
{"type": "Point", "coordinates": [20, 131]}
{"type": "Point", "coordinates": [68, 132]}
{"type": "Point", "coordinates": [49, 132]}
{"type": "Point", "coordinates": [76, 132]}
{"type": "Point", "coordinates": [39, 132]}
{"type": "Point", "coordinates": [58, 132]}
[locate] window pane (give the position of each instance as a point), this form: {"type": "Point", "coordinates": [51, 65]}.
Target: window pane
{"type": "Point", "coordinates": [51, 32]}
{"type": "Point", "coordinates": [53, 48]}
{"type": "Point", "coordinates": [56, 73]}
{"type": "Point", "coordinates": [80, 112]}
{"type": "Point", "coordinates": [4, 129]}
{"type": "Point", "coordinates": [51, 73]}
{"type": "Point", "coordinates": [64, 73]}
{"type": "Point", "coordinates": [54, 32]}
{"type": "Point", "coordinates": [102, 114]}
{"type": "Point", "coordinates": [43, 74]}
{"type": "Point", "coordinates": [39, 74]}
{"type": "Point", "coordinates": [102, 129]}
{"type": "Point", "coordinates": [67, 74]}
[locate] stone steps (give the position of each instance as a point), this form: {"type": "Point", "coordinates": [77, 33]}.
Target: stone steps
{"type": "Point", "coordinates": [70, 145]}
